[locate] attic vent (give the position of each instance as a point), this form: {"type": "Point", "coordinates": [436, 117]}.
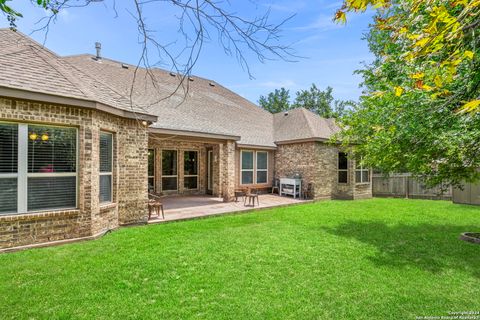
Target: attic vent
{"type": "Point", "coordinates": [124, 66]}
{"type": "Point", "coordinates": [285, 113]}
{"type": "Point", "coordinates": [190, 78]}
{"type": "Point", "coordinates": [211, 84]}
{"type": "Point", "coordinates": [172, 74]}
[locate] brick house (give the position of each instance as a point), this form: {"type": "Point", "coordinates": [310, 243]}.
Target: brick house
{"type": "Point", "coordinates": [83, 139]}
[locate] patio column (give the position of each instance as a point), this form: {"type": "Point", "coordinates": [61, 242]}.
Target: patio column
{"type": "Point", "coordinates": [227, 170]}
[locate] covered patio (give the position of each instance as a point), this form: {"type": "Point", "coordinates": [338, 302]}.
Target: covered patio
{"type": "Point", "coordinates": [195, 206]}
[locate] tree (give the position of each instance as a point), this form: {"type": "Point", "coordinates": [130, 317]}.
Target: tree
{"type": "Point", "coordinates": [422, 93]}
{"type": "Point", "coordinates": [422, 102]}
{"type": "Point", "coordinates": [276, 101]}
{"type": "Point", "coordinates": [313, 99]}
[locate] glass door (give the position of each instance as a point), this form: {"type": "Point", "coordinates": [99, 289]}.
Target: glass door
{"type": "Point", "coordinates": [169, 170]}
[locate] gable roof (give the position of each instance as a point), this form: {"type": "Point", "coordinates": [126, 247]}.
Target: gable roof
{"type": "Point", "coordinates": [302, 124]}
{"type": "Point", "coordinates": [26, 66]}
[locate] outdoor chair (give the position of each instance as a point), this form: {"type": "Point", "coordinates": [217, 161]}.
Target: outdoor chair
{"type": "Point", "coordinates": [240, 193]}
{"type": "Point", "coordinates": [275, 186]}
{"type": "Point", "coordinates": [308, 192]}
{"type": "Point", "coordinates": [155, 204]}
{"type": "Point", "coordinates": [251, 195]}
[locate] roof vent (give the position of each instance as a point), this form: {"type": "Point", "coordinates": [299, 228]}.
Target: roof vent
{"type": "Point", "coordinates": [211, 84]}
{"type": "Point", "coordinates": [285, 113]}
{"type": "Point", "coordinates": [98, 47]}
{"type": "Point", "coordinates": [190, 78]}
{"type": "Point", "coordinates": [124, 66]}
{"type": "Point", "coordinates": [173, 74]}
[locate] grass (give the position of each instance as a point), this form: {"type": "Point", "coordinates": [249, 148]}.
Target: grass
{"type": "Point", "coordinates": [371, 259]}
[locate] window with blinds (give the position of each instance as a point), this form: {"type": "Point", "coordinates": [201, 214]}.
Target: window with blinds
{"type": "Point", "coordinates": [106, 167]}
{"type": "Point", "coordinates": [52, 162]}
{"type": "Point", "coordinates": [38, 168]}
{"type": "Point", "coordinates": [8, 167]}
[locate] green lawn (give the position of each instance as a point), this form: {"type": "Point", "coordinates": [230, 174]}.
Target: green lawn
{"type": "Point", "coordinates": [371, 259]}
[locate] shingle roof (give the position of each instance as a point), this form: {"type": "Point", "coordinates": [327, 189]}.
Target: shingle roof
{"type": "Point", "coordinates": [26, 65]}
{"type": "Point", "coordinates": [200, 106]}
{"type": "Point", "coordinates": [299, 124]}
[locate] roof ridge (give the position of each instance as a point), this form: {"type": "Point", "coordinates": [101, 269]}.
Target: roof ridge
{"type": "Point", "coordinates": [62, 72]}
{"type": "Point", "coordinates": [33, 41]}
{"type": "Point", "coordinates": [310, 126]}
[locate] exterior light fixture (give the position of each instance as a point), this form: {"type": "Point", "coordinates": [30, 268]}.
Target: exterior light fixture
{"type": "Point", "coordinates": [33, 136]}
{"type": "Point", "coordinates": [145, 123]}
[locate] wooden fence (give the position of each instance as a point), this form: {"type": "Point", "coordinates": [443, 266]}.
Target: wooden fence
{"type": "Point", "coordinates": [405, 186]}
{"type": "Point", "coordinates": [469, 194]}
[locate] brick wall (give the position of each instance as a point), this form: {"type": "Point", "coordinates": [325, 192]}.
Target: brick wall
{"type": "Point", "coordinates": [90, 218]}
{"type": "Point", "coordinates": [317, 163]}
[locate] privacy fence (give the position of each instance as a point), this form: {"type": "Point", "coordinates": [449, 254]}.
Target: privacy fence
{"type": "Point", "coordinates": [406, 186]}
{"type": "Point", "coordinates": [469, 194]}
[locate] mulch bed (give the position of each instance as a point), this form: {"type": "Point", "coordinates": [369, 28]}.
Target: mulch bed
{"type": "Point", "coordinates": [473, 237]}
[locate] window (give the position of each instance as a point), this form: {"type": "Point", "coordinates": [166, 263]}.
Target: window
{"type": "Point", "coordinates": [247, 167]}
{"type": "Point", "coordinates": [52, 162]}
{"type": "Point", "coordinates": [169, 170]}
{"type": "Point", "coordinates": [106, 167]}
{"type": "Point", "coordinates": [8, 167]}
{"type": "Point", "coordinates": [262, 166]}
{"type": "Point", "coordinates": [151, 170]}
{"type": "Point", "coordinates": [254, 167]}
{"type": "Point", "coordinates": [38, 168]}
{"type": "Point", "coordinates": [190, 169]}
{"type": "Point", "coordinates": [362, 174]}
{"type": "Point", "coordinates": [342, 167]}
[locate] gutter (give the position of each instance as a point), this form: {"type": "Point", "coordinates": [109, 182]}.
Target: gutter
{"type": "Point", "coordinates": [302, 140]}
{"type": "Point", "coordinates": [74, 102]}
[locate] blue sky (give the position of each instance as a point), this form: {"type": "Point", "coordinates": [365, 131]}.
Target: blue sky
{"type": "Point", "coordinates": [332, 52]}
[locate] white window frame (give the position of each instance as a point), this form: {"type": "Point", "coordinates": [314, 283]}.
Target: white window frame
{"type": "Point", "coordinates": [190, 175]}
{"type": "Point", "coordinates": [109, 173]}
{"type": "Point", "coordinates": [168, 176]}
{"type": "Point", "coordinates": [260, 170]}
{"type": "Point", "coordinates": [360, 168]}
{"type": "Point", "coordinates": [341, 170]}
{"type": "Point", "coordinates": [22, 174]}
{"type": "Point", "coordinates": [247, 170]}
{"type": "Point", "coordinates": [154, 169]}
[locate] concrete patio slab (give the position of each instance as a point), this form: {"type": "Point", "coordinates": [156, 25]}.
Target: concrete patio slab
{"type": "Point", "coordinates": [189, 207]}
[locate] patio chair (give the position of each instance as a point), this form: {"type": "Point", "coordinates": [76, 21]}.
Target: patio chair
{"type": "Point", "coordinates": [308, 192]}
{"type": "Point", "coordinates": [155, 204]}
{"type": "Point", "coordinates": [251, 195]}
{"type": "Point", "coordinates": [240, 193]}
{"type": "Point", "coordinates": [275, 186]}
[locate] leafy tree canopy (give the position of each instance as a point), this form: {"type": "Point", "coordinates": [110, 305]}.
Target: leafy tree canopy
{"type": "Point", "coordinates": [313, 99]}
{"type": "Point", "coordinates": [276, 101]}
{"type": "Point", "coordinates": [422, 92]}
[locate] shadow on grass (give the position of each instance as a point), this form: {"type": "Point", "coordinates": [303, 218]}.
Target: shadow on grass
{"type": "Point", "coordinates": [432, 248]}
